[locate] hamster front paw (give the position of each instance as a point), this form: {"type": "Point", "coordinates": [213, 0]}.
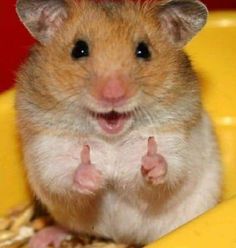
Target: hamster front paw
{"type": "Point", "coordinates": [53, 235]}
{"type": "Point", "coordinates": [87, 178]}
{"type": "Point", "coordinates": [154, 165]}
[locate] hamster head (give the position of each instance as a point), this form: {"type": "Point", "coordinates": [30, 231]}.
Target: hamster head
{"type": "Point", "coordinates": [106, 67]}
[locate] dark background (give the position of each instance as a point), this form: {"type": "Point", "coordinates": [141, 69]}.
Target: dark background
{"type": "Point", "coordinates": [15, 40]}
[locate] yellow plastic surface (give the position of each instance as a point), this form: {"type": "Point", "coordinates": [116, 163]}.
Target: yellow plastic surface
{"type": "Point", "coordinates": [13, 189]}
{"type": "Point", "coordinates": [213, 53]}
{"type": "Point", "coordinates": [215, 229]}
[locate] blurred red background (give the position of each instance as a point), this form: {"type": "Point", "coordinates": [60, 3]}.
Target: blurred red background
{"type": "Point", "coordinates": [16, 41]}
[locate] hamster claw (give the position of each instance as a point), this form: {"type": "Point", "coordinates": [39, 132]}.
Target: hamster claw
{"type": "Point", "coordinates": [87, 179]}
{"type": "Point", "coordinates": [154, 165]}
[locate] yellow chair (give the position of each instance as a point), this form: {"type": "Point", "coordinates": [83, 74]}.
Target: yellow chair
{"type": "Point", "coordinates": [213, 53]}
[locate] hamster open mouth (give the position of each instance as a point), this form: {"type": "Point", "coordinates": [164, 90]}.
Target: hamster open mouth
{"type": "Point", "coordinates": [112, 122]}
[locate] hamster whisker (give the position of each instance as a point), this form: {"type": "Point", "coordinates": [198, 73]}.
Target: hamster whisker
{"type": "Point", "coordinates": [58, 103]}
{"type": "Point", "coordinates": [146, 76]}
{"type": "Point", "coordinates": [144, 114]}
{"type": "Point", "coordinates": [154, 97]}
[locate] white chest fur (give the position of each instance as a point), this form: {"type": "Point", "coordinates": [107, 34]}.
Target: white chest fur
{"type": "Point", "coordinates": [127, 203]}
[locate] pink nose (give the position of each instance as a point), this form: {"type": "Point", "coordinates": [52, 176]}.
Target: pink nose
{"type": "Point", "coordinates": [113, 91]}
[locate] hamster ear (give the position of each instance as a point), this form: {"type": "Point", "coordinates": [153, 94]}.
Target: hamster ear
{"type": "Point", "coordinates": [182, 19]}
{"type": "Point", "coordinates": [42, 17]}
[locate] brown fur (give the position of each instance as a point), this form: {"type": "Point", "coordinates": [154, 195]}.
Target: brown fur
{"type": "Point", "coordinates": [51, 80]}
{"type": "Point", "coordinates": [56, 95]}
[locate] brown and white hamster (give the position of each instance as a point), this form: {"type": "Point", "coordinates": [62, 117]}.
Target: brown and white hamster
{"type": "Point", "coordinates": [116, 142]}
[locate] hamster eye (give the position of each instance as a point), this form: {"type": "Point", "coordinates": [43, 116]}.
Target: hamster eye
{"type": "Point", "coordinates": [80, 50]}
{"type": "Point", "coordinates": [142, 51]}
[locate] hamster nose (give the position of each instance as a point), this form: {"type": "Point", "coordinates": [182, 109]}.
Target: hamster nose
{"type": "Point", "coordinates": [114, 91]}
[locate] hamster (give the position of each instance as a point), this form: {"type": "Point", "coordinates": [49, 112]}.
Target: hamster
{"type": "Point", "coordinates": [115, 139]}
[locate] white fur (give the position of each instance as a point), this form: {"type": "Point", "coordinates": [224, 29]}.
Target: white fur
{"type": "Point", "coordinates": [128, 209]}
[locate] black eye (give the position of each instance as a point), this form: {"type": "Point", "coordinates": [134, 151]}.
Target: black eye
{"type": "Point", "coordinates": [142, 51]}
{"type": "Point", "coordinates": [80, 50]}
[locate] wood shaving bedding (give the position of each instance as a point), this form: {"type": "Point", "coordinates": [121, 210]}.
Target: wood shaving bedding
{"type": "Point", "coordinates": [23, 222]}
